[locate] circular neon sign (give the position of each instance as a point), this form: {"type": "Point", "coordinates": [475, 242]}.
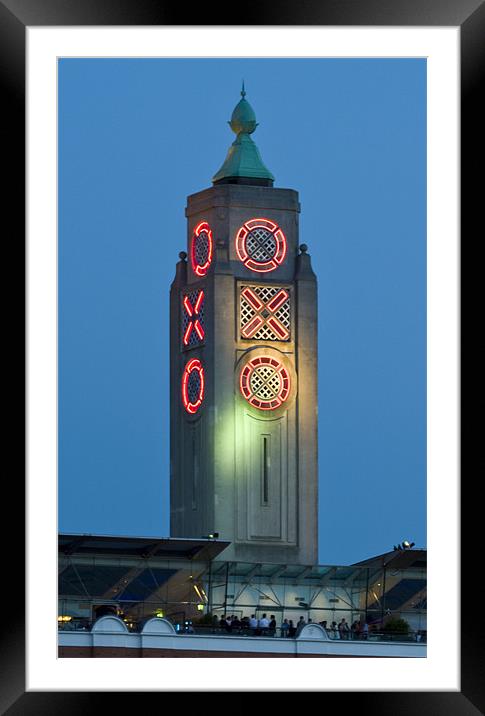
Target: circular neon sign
{"type": "Point", "coordinates": [193, 386]}
{"type": "Point", "coordinates": [265, 383]}
{"type": "Point", "coordinates": [261, 245]}
{"type": "Point", "coordinates": [201, 248]}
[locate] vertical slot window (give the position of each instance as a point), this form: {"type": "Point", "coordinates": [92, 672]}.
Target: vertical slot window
{"type": "Point", "coordinates": [265, 464]}
{"type": "Point", "coordinates": [195, 472]}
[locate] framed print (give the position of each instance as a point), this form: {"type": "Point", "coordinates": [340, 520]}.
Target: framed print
{"type": "Point", "coordinates": [41, 42]}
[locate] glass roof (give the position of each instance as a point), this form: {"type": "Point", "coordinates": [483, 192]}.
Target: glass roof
{"type": "Point", "coordinates": [83, 580]}
{"type": "Point", "coordinates": [174, 548]}
{"type": "Point", "coordinates": [303, 574]}
{"type": "Point", "coordinates": [145, 584]}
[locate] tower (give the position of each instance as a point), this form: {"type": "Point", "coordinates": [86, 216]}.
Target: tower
{"type": "Point", "coordinates": [243, 357]}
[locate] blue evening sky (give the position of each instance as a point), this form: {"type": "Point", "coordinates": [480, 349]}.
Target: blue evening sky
{"type": "Point", "coordinates": [136, 136]}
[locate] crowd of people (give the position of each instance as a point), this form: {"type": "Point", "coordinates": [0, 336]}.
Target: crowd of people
{"type": "Point", "coordinates": [264, 626]}
{"type": "Point", "coordinates": [357, 630]}
{"type": "Point", "coordinates": [247, 625]}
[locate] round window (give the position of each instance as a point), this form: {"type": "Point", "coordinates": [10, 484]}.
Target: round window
{"type": "Point", "coordinates": [265, 382]}
{"type": "Point", "coordinates": [201, 248]}
{"type": "Point", "coordinates": [193, 386]}
{"type": "Point", "coordinates": [261, 245]}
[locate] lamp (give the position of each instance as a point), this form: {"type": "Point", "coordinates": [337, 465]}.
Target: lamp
{"type": "Point", "coordinates": [404, 545]}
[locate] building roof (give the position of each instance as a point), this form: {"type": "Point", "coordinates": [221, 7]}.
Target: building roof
{"type": "Point", "coordinates": [401, 559]}
{"type": "Point", "coordinates": [153, 571]}
{"type": "Point", "coordinates": [156, 547]}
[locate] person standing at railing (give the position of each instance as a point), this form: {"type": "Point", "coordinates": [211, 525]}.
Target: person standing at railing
{"type": "Point", "coordinates": [334, 632]}
{"type": "Point", "coordinates": [300, 625]}
{"type": "Point", "coordinates": [285, 628]}
{"type": "Point", "coordinates": [343, 628]}
{"type": "Point", "coordinates": [263, 625]}
{"type": "Point", "coordinates": [253, 625]}
{"type": "Point", "coordinates": [365, 630]}
{"type": "Point", "coordinates": [245, 625]}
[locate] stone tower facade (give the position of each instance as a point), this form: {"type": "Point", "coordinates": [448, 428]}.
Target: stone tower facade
{"type": "Point", "coordinates": [243, 347]}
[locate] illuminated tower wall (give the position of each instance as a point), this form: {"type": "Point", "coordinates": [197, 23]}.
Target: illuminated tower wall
{"type": "Point", "coordinates": [243, 346]}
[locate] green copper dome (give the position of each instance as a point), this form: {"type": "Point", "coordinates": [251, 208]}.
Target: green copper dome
{"type": "Point", "coordinates": [243, 164]}
{"type": "Point", "coordinates": [243, 118]}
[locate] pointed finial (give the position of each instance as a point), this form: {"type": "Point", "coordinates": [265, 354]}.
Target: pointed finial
{"type": "Point", "coordinates": [243, 160]}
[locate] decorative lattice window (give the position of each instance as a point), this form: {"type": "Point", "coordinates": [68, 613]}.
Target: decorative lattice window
{"type": "Point", "coordinates": [201, 248]}
{"type": "Point", "coordinates": [264, 313]}
{"type": "Point", "coordinates": [261, 245]}
{"type": "Point", "coordinates": [193, 324]}
{"type": "Point", "coordinates": [193, 386]}
{"type": "Point", "coordinates": [265, 382]}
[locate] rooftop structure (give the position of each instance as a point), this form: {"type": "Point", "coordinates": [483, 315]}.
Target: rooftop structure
{"type": "Point", "coordinates": [243, 163]}
{"type": "Point", "coordinates": [136, 581]}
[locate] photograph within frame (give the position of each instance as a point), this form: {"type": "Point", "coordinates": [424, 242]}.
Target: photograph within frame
{"type": "Point", "coordinates": [369, 122]}
{"type": "Point", "coordinates": [418, 50]}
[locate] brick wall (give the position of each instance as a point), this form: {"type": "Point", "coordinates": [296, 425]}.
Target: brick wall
{"type": "Point", "coordinates": [120, 652]}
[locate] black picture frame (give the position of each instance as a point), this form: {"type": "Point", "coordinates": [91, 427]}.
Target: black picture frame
{"type": "Point", "coordinates": [469, 16]}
